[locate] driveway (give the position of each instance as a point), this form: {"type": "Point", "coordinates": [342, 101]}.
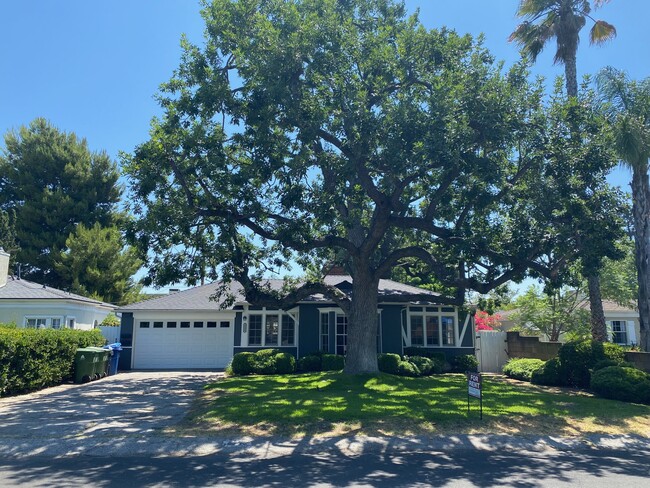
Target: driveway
{"type": "Point", "coordinates": [130, 404]}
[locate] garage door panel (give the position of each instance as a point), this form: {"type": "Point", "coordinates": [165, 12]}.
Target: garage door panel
{"type": "Point", "coordinates": [168, 348]}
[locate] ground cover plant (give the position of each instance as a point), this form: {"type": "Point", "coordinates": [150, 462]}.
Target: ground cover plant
{"type": "Point", "coordinates": [330, 403]}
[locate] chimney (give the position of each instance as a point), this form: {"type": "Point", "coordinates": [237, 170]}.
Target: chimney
{"type": "Point", "coordinates": [4, 267]}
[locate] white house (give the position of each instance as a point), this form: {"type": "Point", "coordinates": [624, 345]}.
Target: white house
{"type": "Point", "coordinates": [29, 304]}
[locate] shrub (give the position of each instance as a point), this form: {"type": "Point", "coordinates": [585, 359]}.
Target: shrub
{"type": "Point", "coordinates": [389, 363]}
{"type": "Point", "coordinates": [32, 359]}
{"type": "Point", "coordinates": [243, 363]}
{"type": "Point", "coordinates": [332, 362]}
{"type": "Point", "coordinates": [111, 320]}
{"type": "Point", "coordinates": [461, 364]}
{"type": "Point", "coordinates": [285, 363]}
{"type": "Point", "coordinates": [407, 368]}
{"type": "Point", "coordinates": [522, 369]}
{"type": "Point", "coordinates": [424, 365]}
{"type": "Point", "coordinates": [606, 363]}
{"type": "Point", "coordinates": [548, 374]}
{"type": "Point", "coordinates": [618, 383]}
{"type": "Point", "coordinates": [579, 357]}
{"type": "Point", "coordinates": [309, 363]}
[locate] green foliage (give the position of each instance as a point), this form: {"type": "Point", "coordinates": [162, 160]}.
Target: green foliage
{"type": "Point", "coordinates": [424, 365]}
{"type": "Point", "coordinates": [332, 362]}
{"type": "Point", "coordinates": [389, 363]}
{"type": "Point", "coordinates": [619, 383]}
{"type": "Point", "coordinates": [53, 182]}
{"type": "Point", "coordinates": [549, 374]}
{"type": "Point", "coordinates": [8, 235]}
{"type": "Point", "coordinates": [618, 279]}
{"type": "Point", "coordinates": [264, 361]}
{"type": "Point", "coordinates": [463, 363]}
{"type": "Point", "coordinates": [97, 264]}
{"type": "Point", "coordinates": [111, 320]}
{"type": "Point", "coordinates": [551, 314]}
{"type": "Point", "coordinates": [407, 368]}
{"type": "Point", "coordinates": [310, 363]}
{"type": "Point", "coordinates": [32, 359]}
{"type": "Point", "coordinates": [577, 359]}
{"type": "Point", "coordinates": [522, 369]}
{"type": "Point", "coordinates": [439, 359]}
{"type": "Point", "coordinates": [10, 325]}
{"type": "Point", "coordinates": [606, 363]}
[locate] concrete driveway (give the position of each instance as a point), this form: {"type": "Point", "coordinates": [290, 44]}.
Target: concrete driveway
{"type": "Point", "coordinates": [130, 404]}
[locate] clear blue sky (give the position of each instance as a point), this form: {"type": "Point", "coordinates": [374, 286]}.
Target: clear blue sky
{"type": "Point", "coordinates": [93, 67]}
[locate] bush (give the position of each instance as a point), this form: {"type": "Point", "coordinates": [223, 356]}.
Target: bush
{"type": "Point", "coordinates": [243, 363]}
{"type": "Point", "coordinates": [548, 374]}
{"type": "Point", "coordinates": [522, 369]}
{"type": "Point", "coordinates": [461, 364]}
{"type": "Point", "coordinates": [309, 363]}
{"type": "Point", "coordinates": [111, 320]}
{"type": "Point", "coordinates": [332, 362]}
{"type": "Point", "coordinates": [32, 359]}
{"type": "Point", "coordinates": [424, 365]}
{"type": "Point", "coordinates": [407, 368]}
{"type": "Point", "coordinates": [578, 358]}
{"type": "Point", "coordinates": [285, 363]}
{"type": "Point", "coordinates": [389, 363]}
{"type": "Point", "coordinates": [625, 384]}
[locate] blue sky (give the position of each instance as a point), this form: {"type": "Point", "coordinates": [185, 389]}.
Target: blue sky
{"type": "Point", "coordinates": [93, 68]}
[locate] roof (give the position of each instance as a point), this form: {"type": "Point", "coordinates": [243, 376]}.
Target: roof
{"type": "Point", "coordinates": [198, 298]}
{"type": "Point", "coordinates": [19, 289]}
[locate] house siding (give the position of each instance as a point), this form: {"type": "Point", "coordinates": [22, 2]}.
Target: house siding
{"type": "Point", "coordinates": [309, 333]}
{"type": "Point", "coordinates": [126, 339]}
{"type": "Point", "coordinates": [391, 329]}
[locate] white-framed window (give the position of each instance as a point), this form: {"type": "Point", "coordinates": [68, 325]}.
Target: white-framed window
{"type": "Point", "coordinates": [43, 322]}
{"type": "Point", "coordinates": [619, 331]}
{"type": "Point", "coordinates": [271, 328]}
{"type": "Point", "coordinates": [432, 326]}
{"type": "Point", "coordinates": [341, 334]}
{"type": "Point", "coordinates": [325, 332]}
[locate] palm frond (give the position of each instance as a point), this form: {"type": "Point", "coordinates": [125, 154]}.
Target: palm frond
{"type": "Point", "coordinates": [602, 32]}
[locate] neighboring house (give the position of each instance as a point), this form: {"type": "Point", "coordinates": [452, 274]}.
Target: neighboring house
{"type": "Point", "coordinates": [29, 304]}
{"type": "Point", "coordinates": [622, 322]}
{"type": "Point", "coordinates": [187, 329]}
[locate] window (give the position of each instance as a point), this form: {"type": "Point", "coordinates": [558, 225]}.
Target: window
{"type": "Point", "coordinates": [43, 322]}
{"type": "Point", "coordinates": [171, 325]}
{"type": "Point", "coordinates": [433, 331]}
{"type": "Point", "coordinates": [198, 324]}
{"type": "Point", "coordinates": [271, 330]}
{"type": "Point", "coordinates": [417, 330]}
{"type": "Point", "coordinates": [144, 325]}
{"type": "Point", "coordinates": [432, 326]}
{"type": "Point", "coordinates": [211, 325]}
{"type": "Point", "coordinates": [185, 325]}
{"type": "Point", "coordinates": [71, 323]}
{"type": "Point", "coordinates": [288, 330]}
{"type": "Point", "coordinates": [324, 332]}
{"type": "Point", "coordinates": [448, 331]}
{"type": "Point", "coordinates": [56, 323]}
{"type": "Point", "coordinates": [255, 330]}
{"type": "Point", "coordinates": [341, 334]}
{"type": "Point", "coordinates": [157, 325]}
{"type": "Point", "coordinates": [224, 324]}
{"type": "Point", "coordinates": [619, 332]}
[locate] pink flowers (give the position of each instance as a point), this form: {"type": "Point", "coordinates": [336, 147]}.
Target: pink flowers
{"type": "Point", "coordinates": [485, 321]}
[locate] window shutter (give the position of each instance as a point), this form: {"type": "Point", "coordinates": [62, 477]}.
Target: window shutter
{"type": "Point", "coordinates": [610, 332]}
{"type": "Point", "coordinates": [631, 332]}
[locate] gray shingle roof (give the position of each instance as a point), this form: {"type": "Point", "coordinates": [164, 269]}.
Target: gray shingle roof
{"type": "Point", "coordinates": [198, 298]}
{"type": "Point", "coordinates": [27, 290]}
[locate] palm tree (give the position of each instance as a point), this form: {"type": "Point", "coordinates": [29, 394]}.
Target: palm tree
{"type": "Point", "coordinates": [630, 112]}
{"type": "Point", "coordinates": [563, 20]}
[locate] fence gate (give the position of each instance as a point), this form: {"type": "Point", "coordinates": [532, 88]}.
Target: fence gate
{"type": "Point", "coordinates": [491, 350]}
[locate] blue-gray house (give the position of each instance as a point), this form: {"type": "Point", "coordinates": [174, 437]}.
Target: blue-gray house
{"type": "Point", "coordinates": [188, 329]}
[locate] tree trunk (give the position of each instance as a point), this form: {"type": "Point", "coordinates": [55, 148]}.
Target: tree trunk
{"type": "Point", "coordinates": [598, 326]}
{"type": "Point", "coordinates": [641, 211]}
{"type": "Point", "coordinates": [361, 354]}
{"type": "Point", "coordinates": [571, 74]}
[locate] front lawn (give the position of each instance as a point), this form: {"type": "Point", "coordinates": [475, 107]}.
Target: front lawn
{"type": "Point", "coordinates": [333, 403]}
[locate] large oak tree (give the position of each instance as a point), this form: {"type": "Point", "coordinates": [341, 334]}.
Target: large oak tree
{"type": "Point", "coordinates": [318, 128]}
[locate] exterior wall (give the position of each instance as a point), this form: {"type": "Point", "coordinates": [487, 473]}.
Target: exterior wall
{"type": "Point", "coordinates": [627, 317]}
{"type": "Point", "coordinates": [640, 359]}
{"type": "Point", "coordinates": [309, 325]}
{"type": "Point", "coordinates": [84, 315]}
{"type": "Point", "coordinates": [391, 329]}
{"type": "Point", "coordinates": [531, 347]}
{"type": "Point", "coordinates": [126, 338]}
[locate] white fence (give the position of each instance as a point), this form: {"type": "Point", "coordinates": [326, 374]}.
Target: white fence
{"type": "Point", "coordinates": [112, 334]}
{"type": "Point", "coordinates": [491, 350]}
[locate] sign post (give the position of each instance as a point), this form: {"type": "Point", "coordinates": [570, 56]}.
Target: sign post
{"type": "Point", "coordinates": [475, 389]}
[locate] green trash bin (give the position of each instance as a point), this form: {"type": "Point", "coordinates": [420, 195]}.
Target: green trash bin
{"type": "Point", "coordinates": [84, 365]}
{"type": "Point", "coordinates": [100, 362]}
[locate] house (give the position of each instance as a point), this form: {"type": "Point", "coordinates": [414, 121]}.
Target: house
{"type": "Point", "coordinates": [622, 322]}
{"type": "Point", "coordinates": [187, 329]}
{"type": "Point", "coordinates": [29, 304]}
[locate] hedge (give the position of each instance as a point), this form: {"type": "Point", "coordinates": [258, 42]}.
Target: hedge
{"type": "Point", "coordinates": [464, 363]}
{"type": "Point", "coordinates": [264, 361]}
{"type": "Point", "coordinates": [577, 359]}
{"type": "Point", "coordinates": [32, 359]}
{"type": "Point", "coordinates": [522, 369]}
{"type": "Point", "coordinates": [622, 383]}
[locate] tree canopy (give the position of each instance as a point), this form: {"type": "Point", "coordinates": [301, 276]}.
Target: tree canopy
{"type": "Point", "coordinates": [306, 131]}
{"type": "Point", "coordinates": [52, 181]}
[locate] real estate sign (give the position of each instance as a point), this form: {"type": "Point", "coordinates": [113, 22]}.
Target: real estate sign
{"type": "Point", "coordinates": [474, 384]}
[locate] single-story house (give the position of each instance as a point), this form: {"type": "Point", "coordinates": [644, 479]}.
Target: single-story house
{"type": "Point", "coordinates": [29, 304]}
{"type": "Point", "coordinates": [188, 329]}
{"type": "Point", "coordinates": [622, 322]}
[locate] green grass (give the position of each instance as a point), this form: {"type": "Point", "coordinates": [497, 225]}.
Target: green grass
{"type": "Point", "coordinates": [326, 403]}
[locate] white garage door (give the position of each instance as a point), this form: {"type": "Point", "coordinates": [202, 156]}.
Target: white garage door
{"type": "Point", "coordinates": [179, 347]}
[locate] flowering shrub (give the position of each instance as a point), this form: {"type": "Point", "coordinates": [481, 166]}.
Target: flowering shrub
{"type": "Point", "coordinates": [485, 321]}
